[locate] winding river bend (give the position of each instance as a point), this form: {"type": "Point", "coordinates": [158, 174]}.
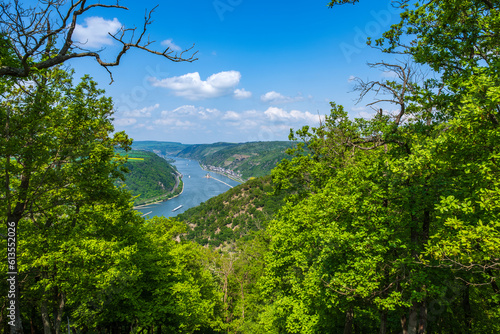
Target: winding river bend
{"type": "Point", "coordinates": [197, 189]}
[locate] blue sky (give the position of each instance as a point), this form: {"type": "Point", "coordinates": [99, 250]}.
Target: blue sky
{"type": "Point", "coordinates": [263, 66]}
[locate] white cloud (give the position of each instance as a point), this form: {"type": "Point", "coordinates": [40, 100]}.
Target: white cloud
{"type": "Point", "coordinates": [170, 44]}
{"type": "Point", "coordinates": [278, 114]}
{"type": "Point", "coordinates": [389, 74]}
{"type": "Point", "coordinates": [95, 32]}
{"type": "Point", "coordinates": [273, 97]}
{"type": "Point", "coordinates": [208, 113]}
{"type": "Point", "coordinates": [179, 116]}
{"type": "Point", "coordinates": [351, 78]}
{"type": "Point", "coordinates": [192, 87]}
{"type": "Point", "coordinates": [272, 123]}
{"type": "Point", "coordinates": [231, 116]}
{"type": "Point", "coordinates": [125, 121]}
{"type": "Point", "coordinates": [191, 111]}
{"type": "Point", "coordinates": [185, 110]}
{"type": "Point", "coordinates": [164, 121]}
{"type": "Point", "coordinates": [241, 94]}
{"type": "Point", "coordinates": [362, 108]}
{"type": "Point", "coordinates": [144, 112]}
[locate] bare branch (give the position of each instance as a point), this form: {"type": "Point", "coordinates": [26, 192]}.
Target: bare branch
{"type": "Point", "coordinates": [34, 33]}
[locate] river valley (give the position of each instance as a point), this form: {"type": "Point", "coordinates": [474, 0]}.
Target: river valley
{"type": "Point", "coordinates": [197, 189]}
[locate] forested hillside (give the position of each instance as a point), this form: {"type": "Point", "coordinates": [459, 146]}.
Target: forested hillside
{"type": "Point", "coordinates": [233, 214]}
{"type": "Point", "coordinates": [250, 159]}
{"type": "Point", "coordinates": [150, 177]}
{"type": "Point", "coordinates": [162, 148]}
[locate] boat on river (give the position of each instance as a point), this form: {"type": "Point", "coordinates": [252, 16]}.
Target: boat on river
{"type": "Point", "coordinates": [177, 208]}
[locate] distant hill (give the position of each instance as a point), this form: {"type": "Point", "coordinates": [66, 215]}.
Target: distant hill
{"type": "Point", "coordinates": [202, 151]}
{"type": "Point", "coordinates": [233, 214]}
{"type": "Point", "coordinates": [150, 177]}
{"type": "Point", "coordinates": [159, 147]}
{"type": "Point", "coordinates": [252, 159]}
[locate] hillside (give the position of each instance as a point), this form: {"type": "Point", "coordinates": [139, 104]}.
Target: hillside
{"type": "Point", "coordinates": [243, 160]}
{"type": "Point", "coordinates": [233, 214]}
{"type": "Point", "coordinates": [248, 159]}
{"type": "Point", "coordinates": [160, 148]}
{"type": "Point", "coordinates": [150, 177]}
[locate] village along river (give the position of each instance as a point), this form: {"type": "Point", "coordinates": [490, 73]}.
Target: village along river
{"type": "Point", "coordinates": [197, 189]}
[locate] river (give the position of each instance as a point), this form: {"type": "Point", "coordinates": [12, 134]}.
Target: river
{"type": "Point", "coordinates": [197, 189]}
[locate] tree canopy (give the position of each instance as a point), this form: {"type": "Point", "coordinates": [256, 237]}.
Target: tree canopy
{"type": "Point", "coordinates": [395, 218]}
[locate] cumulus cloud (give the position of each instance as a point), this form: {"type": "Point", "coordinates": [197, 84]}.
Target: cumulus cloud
{"type": "Point", "coordinates": [95, 31]}
{"type": "Point", "coordinates": [278, 114]}
{"type": "Point", "coordinates": [170, 44]}
{"type": "Point", "coordinates": [389, 74]}
{"type": "Point", "coordinates": [191, 111]}
{"type": "Point", "coordinates": [241, 94]}
{"type": "Point", "coordinates": [144, 112]}
{"type": "Point", "coordinates": [125, 121]}
{"type": "Point", "coordinates": [231, 116]}
{"type": "Point", "coordinates": [189, 120]}
{"type": "Point", "coordinates": [273, 97]}
{"type": "Point", "coordinates": [362, 108]}
{"type": "Point", "coordinates": [164, 121]}
{"type": "Point", "coordinates": [192, 87]}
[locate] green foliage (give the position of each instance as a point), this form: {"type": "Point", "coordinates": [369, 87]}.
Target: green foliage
{"type": "Point", "coordinates": [149, 177]}
{"type": "Point", "coordinates": [393, 221]}
{"type": "Point", "coordinates": [238, 270]}
{"type": "Point", "coordinates": [59, 164]}
{"type": "Point", "coordinates": [233, 214]}
{"type": "Point", "coordinates": [84, 255]}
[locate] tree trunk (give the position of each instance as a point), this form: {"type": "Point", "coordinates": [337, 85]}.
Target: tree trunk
{"type": "Point", "coordinates": [349, 319]}
{"type": "Point", "coordinates": [383, 322]}
{"type": "Point", "coordinates": [422, 322]}
{"type": "Point", "coordinates": [467, 310]}
{"type": "Point", "coordinates": [45, 318]}
{"type": "Point", "coordinates": [404, 323]}
{"type": "Point", "coordinates": [58, 320]}
{"type": "Point", "coordinates": [413, 318]}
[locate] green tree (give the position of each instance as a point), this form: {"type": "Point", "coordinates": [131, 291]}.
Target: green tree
{"type": "Point", "coordinates": [391, 215]}
{"type": "Point", "coordinates": [54, 136]}
{"type": "Point", "coordinates": [184, 294]}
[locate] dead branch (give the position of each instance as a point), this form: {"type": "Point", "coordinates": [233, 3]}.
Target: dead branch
{"type": "Point", "coordinates": [42, 37]}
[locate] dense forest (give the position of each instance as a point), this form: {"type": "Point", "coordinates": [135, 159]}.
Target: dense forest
{"type": "Point", "coordinates": [387, 224]}
{"type": "Point", "coordinates": [150, 178]}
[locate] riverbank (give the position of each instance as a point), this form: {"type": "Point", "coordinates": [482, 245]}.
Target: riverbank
{"type": "Point", "coordinates": [240, 180]}
{"type": "Point", "coordinates": [197, 189]}
{"type": "Point", "coordinates": [153, 201]}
